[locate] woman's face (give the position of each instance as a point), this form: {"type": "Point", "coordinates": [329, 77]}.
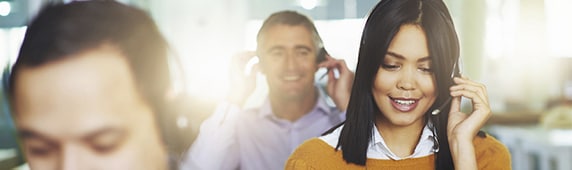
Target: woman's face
{"type": "Point", "coordinates": [404, 87]}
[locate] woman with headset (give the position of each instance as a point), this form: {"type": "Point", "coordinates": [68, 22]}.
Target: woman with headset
{"type": "Point", "coordinates": [404, 109]}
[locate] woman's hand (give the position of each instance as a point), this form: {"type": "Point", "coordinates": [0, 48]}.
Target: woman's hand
{"type": "Point", "coordinates": [462, 127]}
{"type": "Point", "coordinates": [466, 126]}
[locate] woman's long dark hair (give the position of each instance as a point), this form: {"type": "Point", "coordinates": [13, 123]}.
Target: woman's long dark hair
{"type": "Point", "coordinates": [381, 26]}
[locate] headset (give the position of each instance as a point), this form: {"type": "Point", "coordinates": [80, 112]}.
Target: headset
{"type": "Point", "coordinates": [453, 75]}
{"type": "Point", "coordinates": [321, 55]}
{"type": "Point", "coordinates": [436, 112]}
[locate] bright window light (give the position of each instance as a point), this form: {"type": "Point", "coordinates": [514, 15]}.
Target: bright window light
{"type": "Point", "coordinates": [308, 4]}
{"type": "Point", "coordinates": [558, 27]}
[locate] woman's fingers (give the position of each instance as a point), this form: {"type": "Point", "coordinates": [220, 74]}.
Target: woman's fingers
{"type": "Point", "coordinates": [464, 80]}
{"type": "Point", "coordinates": [472, 89]}
{"type": "Point", "coordinates": [478, 102]}
{"type": "Point", "coordinates": [481, 111]}
{"type": "Point", "coordinates": [456, 104]}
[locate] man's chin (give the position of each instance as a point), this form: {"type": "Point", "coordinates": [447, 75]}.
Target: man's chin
{"type": "Point", "coordinates": [294, 94]}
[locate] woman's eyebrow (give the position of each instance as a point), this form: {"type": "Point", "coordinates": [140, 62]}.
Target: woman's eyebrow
{"type": "Point", "coordinates": [401, 57]}
{"type": "Point", "coordinates": [398, 56]}
{"type": "Point", "coordinates": [428, 58]}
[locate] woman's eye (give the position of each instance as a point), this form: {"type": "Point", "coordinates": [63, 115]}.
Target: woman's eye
{"type": "Point", "coordinates": [390, 67]}
{"type": "Point", "coordinates": [426, 69]}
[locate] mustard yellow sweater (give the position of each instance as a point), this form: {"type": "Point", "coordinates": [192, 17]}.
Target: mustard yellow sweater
{"type": "Point", "coordinates": [317, 154]}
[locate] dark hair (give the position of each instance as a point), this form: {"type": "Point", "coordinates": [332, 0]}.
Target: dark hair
{"type": "Point", "coordinates": [381, 26]}
{"type": "Point", "coordinates": [61, 30]}
{"type": "Point", "coordinates": [292, 18]}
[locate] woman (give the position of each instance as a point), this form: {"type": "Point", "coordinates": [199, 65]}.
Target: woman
{"type": "Point", "coordinates": [400, 115]}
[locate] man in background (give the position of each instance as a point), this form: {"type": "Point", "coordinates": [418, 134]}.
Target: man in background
{"type": "Point", "coordinates": [290, 52]}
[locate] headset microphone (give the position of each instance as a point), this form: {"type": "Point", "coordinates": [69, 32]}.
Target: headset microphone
{"type": "Point", "coordinates": [440, 108]}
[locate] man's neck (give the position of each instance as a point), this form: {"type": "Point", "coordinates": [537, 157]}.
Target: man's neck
{"type": "Point", "coordinates": [292, 109]}
{"type": "Point", "coordinates": [401, 140]}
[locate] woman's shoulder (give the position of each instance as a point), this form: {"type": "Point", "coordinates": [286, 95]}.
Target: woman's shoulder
{"type": "Point", "coordinates": [488, 143]}
{"type": "Point", "coordinates": [332, 137]}
{"type": "Point", "coordinates": [491, 153]}
{"type": "Point", "coordinates": [311, 148]}
{"type": "Point", "coordinates": [316, 147]}
{"type": "Point", "coordinates": [313, 153]}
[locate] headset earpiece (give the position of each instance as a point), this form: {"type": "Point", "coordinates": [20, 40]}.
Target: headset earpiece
{"type": "Point", "coordinates": [321, 55]}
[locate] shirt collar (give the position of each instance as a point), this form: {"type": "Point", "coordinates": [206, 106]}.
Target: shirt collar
{"type": "Point", "coordinates": [426, 141]}
{"type": "Point", "coordinates": [321, 106]}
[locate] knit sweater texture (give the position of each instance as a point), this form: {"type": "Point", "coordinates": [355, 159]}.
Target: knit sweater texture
{"type": "Point", "coordinates": [317, 154]}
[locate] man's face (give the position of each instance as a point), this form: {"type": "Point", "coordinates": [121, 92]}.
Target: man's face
{"type": "Point", "coordinates": [288, 59]}
{"type": "Point", "coordinates": [84, 112]}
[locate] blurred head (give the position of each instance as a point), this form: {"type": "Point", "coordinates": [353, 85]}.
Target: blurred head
{"type": "Point", "coordinates": [88, 88]}
{"type": "Point", "coordinates": [407, 54]}
{"type": "Point", "coordinates": [288, 45]}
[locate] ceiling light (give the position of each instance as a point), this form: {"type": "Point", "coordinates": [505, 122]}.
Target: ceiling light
{"type": "Point", "coordinates": [308, 4]}
{"type": "Point", "coordinates": [5, 8]}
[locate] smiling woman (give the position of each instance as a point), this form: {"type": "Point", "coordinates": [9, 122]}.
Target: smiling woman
{"type": "Point", "coordinates": [407, 53]}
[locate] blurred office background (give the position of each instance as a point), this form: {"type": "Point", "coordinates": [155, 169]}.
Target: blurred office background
{"type": "Point", "coordinates": [520, 49]}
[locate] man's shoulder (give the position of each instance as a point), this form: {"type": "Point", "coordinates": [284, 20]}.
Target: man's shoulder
{"type": "Point", "coordinates": [250, 111]}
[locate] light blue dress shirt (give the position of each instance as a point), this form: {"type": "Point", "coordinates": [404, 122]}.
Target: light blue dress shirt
{"type": "Point", "coordinates": [256, 139]}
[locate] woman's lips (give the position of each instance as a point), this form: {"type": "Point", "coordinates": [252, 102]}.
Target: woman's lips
{"type": "Point", "coordinates": [404, 105]}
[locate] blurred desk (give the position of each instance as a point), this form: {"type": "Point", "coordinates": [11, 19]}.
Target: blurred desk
{"type": "Point", "coordinates": [536, 148]}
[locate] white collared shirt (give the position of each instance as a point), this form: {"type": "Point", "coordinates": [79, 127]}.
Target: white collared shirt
{"type": "Point", "coordinates": [379, 150]}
